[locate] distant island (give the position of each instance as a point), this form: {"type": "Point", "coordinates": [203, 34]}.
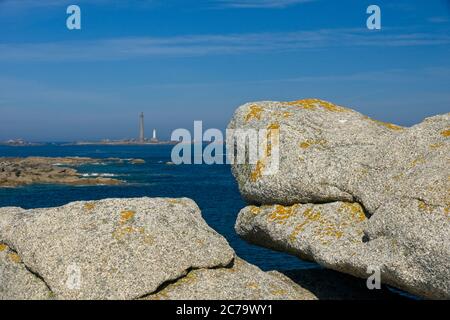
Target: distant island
{"type": "Point", "coordinates": [120, 142]}
{"type": "Point", "coordinates": [18, 142]}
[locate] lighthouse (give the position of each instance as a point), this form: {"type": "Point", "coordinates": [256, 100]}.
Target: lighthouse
{"type": "Point", "coordinates": [141, 128]}
{"type": "Point", "coordinates": [154, 139]}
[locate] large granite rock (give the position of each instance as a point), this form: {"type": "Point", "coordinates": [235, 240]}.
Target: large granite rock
{"type": "Point", "coordinates": [114, 248]}
{"type": "Point", "coordinates": [359, 193]}
{"type": "Point", "coordinates": [150, 248]}
{"type": "Point", "coordinates": [241, 281]}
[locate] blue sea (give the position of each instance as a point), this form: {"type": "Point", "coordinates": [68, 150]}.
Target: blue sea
{"type": "Point", "coordinates": [212, 187]}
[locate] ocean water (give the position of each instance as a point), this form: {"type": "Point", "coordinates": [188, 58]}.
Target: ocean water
{"type": "Point", "coordinates": [212, 187]}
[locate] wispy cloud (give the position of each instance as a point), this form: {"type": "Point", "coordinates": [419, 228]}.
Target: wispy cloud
{"type": "Point", "coordinates": [215, 44]}
{"type": "Point", "coordinates": [438, 19]}
{"type": "Point", "coordinates": [253, 4]}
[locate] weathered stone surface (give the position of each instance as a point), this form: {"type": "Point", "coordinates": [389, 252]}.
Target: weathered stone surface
{"type": "Point", "coordinates": [330, 154]}
{"type": "Point", "coordinates": [16, 282]}
{"type": "Point", "coordinates": [322, 148]}
{"type": "Point", "coordinates": [242, 281]}
{"type": "Point", "coordinates": [113, 248]}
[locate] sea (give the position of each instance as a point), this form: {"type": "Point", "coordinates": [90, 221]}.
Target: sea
{"type": "Point", "coordinates": [212, 187]}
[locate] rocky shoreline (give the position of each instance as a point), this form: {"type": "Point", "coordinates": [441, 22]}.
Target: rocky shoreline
{"type": "Point", "coordinates": [16, 172]}
{"type": "Point", "coordinates": [353, 194]}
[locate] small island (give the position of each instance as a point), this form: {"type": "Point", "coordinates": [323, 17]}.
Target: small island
{"type": "Point", "coordinates": [15, 172]}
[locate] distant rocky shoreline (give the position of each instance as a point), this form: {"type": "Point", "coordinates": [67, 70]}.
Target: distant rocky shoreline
{"type": "Point", "coordinates": [16, 172]}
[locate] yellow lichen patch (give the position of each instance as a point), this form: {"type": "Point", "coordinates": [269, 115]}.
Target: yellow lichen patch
{"type": "Point", "coordinates": [14, 257]}
{"type": "Point", "coordinates": [424, 207]}
{"type": "Point", "coordinates": [354, 209]}
{"type": "Point", "coordinates": [332, 232]}
{"type": "Point", "coordinates": [278, 292]}
{"type": "Point", "coordinates": [305, 145]}
{"type": "Point", "coordinates": [271, 140]}
{"type": "Point", "coordinates": [121, 232]}
{"type": "Point", "coordinates": [388, 125]}
{"type": "Point", "coordinates": [125, 216]}
{"type": "Point", "coordinates": [175, 201]}
{"type": "Point", "coordinates": [254, 113]}
{"type": "Point", "coordinates": [436, 145]}
{"type": "Point", "coordinates": [415, 162]}
{"type": "Point", "coordinates": [325, 230]}
{"type": "Point", "coordinates": [89, 206]}
{"type": "Point", "coordinates": [252, 285]}
{"type": "Point", "coordinates": [281, 214]}
{"type": "Point", "coordinates": [310, 216]}
{"type": "Point", "coordinates": [257, 173]}
{"type": "Point", "coordinates": [255, 210]}
{"type": "Point", "coordinates": [3, 247]}
{"type": "Point", "coordinates": [446, 133]}
{"type": "Point", "coordinates": [308, 143]}
{"type": "Point", "coordinates": [312, 104]}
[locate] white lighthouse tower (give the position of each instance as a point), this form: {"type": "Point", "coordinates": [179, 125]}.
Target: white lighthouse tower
{"type": "Point", "coordinates": [154, 139]}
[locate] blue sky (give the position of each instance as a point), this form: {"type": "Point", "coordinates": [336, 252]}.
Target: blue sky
{"type": "Point", "coordinates": [180, 61]}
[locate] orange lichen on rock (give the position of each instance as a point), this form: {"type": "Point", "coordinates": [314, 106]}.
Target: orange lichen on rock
{"type": "Point", "coordinates": [446, 133]}
{"type": "Point", "coordinates": [436, 145]}
{"type": "Point", "coordinates": [424, 207]}
{"type": "Point", "coordinates": [125, 216]}
{"type": "Point", "coordinates": [387, 125]}
{"type": "Point", "coordinates": [3, 247]}
{"type": "Point", "coordinates": [272, 138]}
{"type": "Point", "coordinates": [313, 104]}
{"type": "Point", "coordinates": [310, 216]}
{"type": "Point", "coordinates": [255, 210]}
{"type": "Point", "coordinates": [257, 173]}
{"type": "Point", "coordinates": [121, 232]}
{"type": "Point", "coordinates": [324, 229]}
{"type": "Point", "coordinates": [14, 257]}
{"type": "Point", "coordinates": [308, 143]}
{"type": "Point", "coordinates": [281, 214]}
{"type": "Point", "coordinates": [254, 113]}
{"type": "Point", "coordinates": [355, 210]}
{"type": "Point", "coordinates": [89, 206]}
{"type": "Point", "coordinates": [252, 285]}
{"type": "Point", "coordinates": [278, 292]}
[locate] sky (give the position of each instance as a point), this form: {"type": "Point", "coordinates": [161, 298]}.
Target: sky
{"type": "Point", "coordinates": [185, 60]}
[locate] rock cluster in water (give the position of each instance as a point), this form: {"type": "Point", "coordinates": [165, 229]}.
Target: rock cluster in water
{"type": "Point", "coordinates": [16, 172]}
{"type": "Point", "coordinates": [352, 193]}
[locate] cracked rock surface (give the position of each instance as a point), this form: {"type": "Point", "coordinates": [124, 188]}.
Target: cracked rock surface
{"type": "Point", "coordinates": [113, 248]}
{"type": "Point", "coordinates": [351, 192]}
{"type": "Point", "coordinates": [151, 248]}
{"type": "Point", "coordinates": [241, 281]}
